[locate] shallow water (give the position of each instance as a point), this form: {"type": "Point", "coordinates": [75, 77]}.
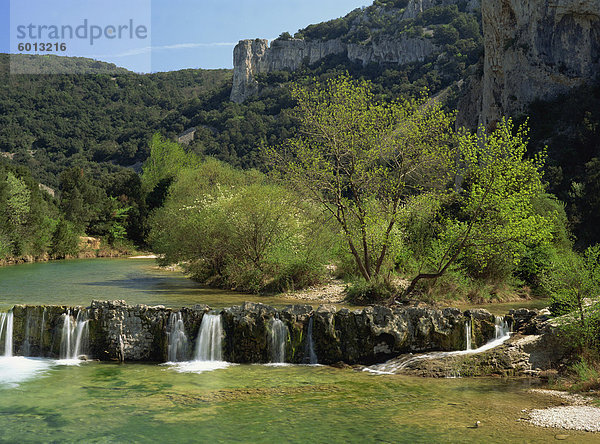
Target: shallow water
{"type": "Point", "coordinates": [72, 401]}
{"type": "Point", "coordinates": [502, 308]}
{"type": "Point", "coordinates": [103, 402]}
{"type": "Point", "coordinates": [138, 281]}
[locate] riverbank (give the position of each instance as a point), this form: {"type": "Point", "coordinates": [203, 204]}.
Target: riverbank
{"type": "Point", "coordinates": [331, 292]}
{"type": "Point", "coordinates": [334, 292]}
{"type": "Point", "coordinates": [580, 413]}
{"type": "Point", "coordinates": [90, 248]}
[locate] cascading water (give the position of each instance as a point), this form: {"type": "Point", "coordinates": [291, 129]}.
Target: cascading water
{"type": "Point", "coordinates": [121, 348]}
{"type": "Point", "coordinates": [74, 336]}
{"type": "Point", "coordinates": [178, 349]}
{"type": "Point", "coordinates": [14, 370]}
{"type": "Point", "coordinates": [469, 334]}
{"type": "Point", "coordinates": [66, 336]}
{"type": "Point", "coordinates": [6, 325]}
{"type": "Point", "coordinates": [279, 335]}
{"type": "Point", "coordinates": [502, 327]}
{"type": "Point", "coordinates": [208, 344]}
{"type": "Point", "coordinates": [81, 335]}
{"type": "Point", "coordinates": [42, 328]}
{"type": "Point", "coordinates": [26, 341]}
{"type": "Point", "coordinates": [310, 357]}
{"type": "Point", "coordinates": [502, 334]}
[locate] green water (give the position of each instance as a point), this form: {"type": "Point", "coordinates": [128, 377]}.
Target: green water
{"type": "Point", "coordinates": [43, 401]}
{"type": "Point", "coordinates": [138, 281]}
{"type": "Point", "coordinates": [101, 402]}
{"type": "Point", "coordinates": [502, 308]}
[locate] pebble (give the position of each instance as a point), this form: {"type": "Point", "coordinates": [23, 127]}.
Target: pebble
{"type": "Point", "coordinates": [574, 417]}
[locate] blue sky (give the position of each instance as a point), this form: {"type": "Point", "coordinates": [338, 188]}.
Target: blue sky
{"type": "Point", "coordinates": [181, 33]}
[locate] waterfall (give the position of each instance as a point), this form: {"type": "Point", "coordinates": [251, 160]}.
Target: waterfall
{"type": "Point", "coordinates": [26, 342]}
{"type": "Point", "coordinates": [502, 334]}
{"type": "Point", "coordinates": [42, 328]}
{"type": "Point", "coordinates": [66, 336]}
{"type": "Point", "coordinates": [178, 341]}
{"type": "Point", "coordinates": [468, 333]}
{"type": "Point", "coordinates": [6, 322]}
{"type": "Point", "coordinates": [74, 335]}
{"type": "Point", "coordinates": [121, 348]}
{"type": "Point", "coordinates": [279, 334]}
{"type": "Point", "coordinates": [502, 327]}
{"type": "Point", "coordinates": [310, 357]}
{"type": "Point", "coordinates": [208, 344]}
{"type": "Point", "coordinates": [81, 335]}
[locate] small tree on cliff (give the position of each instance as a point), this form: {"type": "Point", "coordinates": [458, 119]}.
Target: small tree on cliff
{"type": "Point", "coordinates": [360, 159]}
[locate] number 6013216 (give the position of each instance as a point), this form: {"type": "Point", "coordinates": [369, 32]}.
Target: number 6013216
{"type": "Point", "coordinates": [42, 47]}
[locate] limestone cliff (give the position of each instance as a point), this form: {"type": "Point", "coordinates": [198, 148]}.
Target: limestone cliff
{"type": "Point", "coordinates": [537, 49]}
{"type": "Point", "coordinates": [251, 57]}
{"type": "Point", "coordinates": [399, 40]}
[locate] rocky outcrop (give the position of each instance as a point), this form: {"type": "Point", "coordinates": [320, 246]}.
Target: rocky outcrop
{"type": "Point", "coordinates": [415, 7]}
{"type": "Point", "coordinates": [252, 57]}
{"type": "Point", "coordinates": [374, 333]}
{"type": "Point", "coordinates": [118, 331]}
{"type": "Point", "coordinates": [533, 50]}
{"type": "Point", "coordinates": [536, 346]}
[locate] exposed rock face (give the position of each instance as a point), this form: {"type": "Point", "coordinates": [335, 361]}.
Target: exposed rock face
{"type": "Point", "coordinates": [533, 50]}
{"type": "Point", "coordinates": [414, 7]}
{"type": "Point", "coordinates": [374, 333]}
{"type": "Point", "coordinates": [535, 347]}
{"type": "Point", "coordinates": [246, 57]}
{"type": "Point", "coordinates": [140, 333]}
{"type": "Point", "coordinates": [251, 57]}
{"type": "Point", "coordinates": [385, 46]}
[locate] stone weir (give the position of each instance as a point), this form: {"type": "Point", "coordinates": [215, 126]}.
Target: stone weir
{"type": "Point", "coordinates": [117, 331]}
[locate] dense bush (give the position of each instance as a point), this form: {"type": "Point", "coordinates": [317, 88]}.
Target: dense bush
{"type": "Point", "coordinates": [27, 214]}
{"type": "Point", "coordinates": [574, 285]}
{"type": "Point", "coordinates": [233, 229]}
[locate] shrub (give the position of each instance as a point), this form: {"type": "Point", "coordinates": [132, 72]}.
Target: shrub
{"type": "Point", "coordinates": [235, 230]}
{"type": "Point", "coordinates": [362, 292]}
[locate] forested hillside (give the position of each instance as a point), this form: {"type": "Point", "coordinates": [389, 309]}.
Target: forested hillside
{"type": "Point", "coordinates": [90, 127]}
{"type": "Point", "coordinates": [52, 122]}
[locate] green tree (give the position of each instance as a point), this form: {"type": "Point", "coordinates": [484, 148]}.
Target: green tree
{"type": "Point", "coordinates": [360, 160]}
{"type": "Point", "coordinates": [18, 202]}
{"type": "Point", "coordinates": [166, 159]}
{"type": "Point", "coordinates": [496, 217]}
{"type": "Point", "coordinates": [234, 230]}
{"type": "Point", "coordinates": [574, 278]}
{"type": "Point", "coordinates": [65, 240]}
{"type": "Point", "coordinates": [574, 286]}
{"type": "Point", "coordinates": [81, 200]}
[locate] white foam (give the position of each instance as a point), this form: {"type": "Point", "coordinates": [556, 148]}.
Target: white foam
{"type": "Point", "coordinates": [198, 366]}
{"type": "Point", "coordinates": [73, 361]}
{"type": "Point", "coordinates": [17, 369]}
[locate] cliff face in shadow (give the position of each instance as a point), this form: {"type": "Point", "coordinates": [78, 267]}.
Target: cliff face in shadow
{"type": "Point", "coordinates": [534, 50]}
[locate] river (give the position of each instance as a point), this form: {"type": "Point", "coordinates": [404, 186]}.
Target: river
{"type": "Point", "coordinates": [138, 281]}
{"type": "Point", "coordinates": [44, 400]}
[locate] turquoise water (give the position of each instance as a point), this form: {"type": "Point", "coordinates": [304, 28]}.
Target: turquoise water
{"type": "Point", "coordinates": [138, 281]}
{"type": "Point", "coordinates": [103, 402]}
{"type": "Point", "coordinates": [93, 402]}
